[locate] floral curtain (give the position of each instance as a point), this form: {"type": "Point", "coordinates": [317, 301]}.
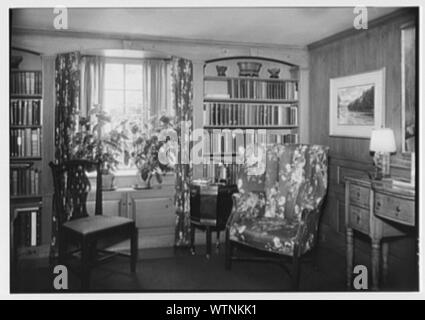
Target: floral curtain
{"type": "Point", "coordinates": [67, 85]}
{"type": "Point", "coordinates": [182, 76]}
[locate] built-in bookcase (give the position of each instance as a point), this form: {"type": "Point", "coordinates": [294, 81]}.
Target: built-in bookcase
{"type": "Point", "coordinates": [25, 154]}
{"type": "Point", "coordinates": [243, 110]}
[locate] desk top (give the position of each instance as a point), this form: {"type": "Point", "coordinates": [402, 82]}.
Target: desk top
{"type": "Point", "coordinates": [385, 186]}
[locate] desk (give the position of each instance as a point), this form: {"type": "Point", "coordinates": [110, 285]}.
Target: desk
{"type": "Point", "coordinates": [380, 211]}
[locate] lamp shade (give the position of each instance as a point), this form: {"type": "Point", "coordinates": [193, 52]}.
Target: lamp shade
{"type": "Point", "coordinates": [382, 140]}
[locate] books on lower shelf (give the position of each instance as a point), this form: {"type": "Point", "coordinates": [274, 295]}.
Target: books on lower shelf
{"type": "Point", "coordinates": [25, 142]}
{"type": "Point", "coordinates": [220, 143]}
{"type": "Point", "coordinates": [250, 114]}
{"type": "Point", "coordinates": [24, 181]}
{"type": "Point", "coordinates": [25, 112]}
{"type": "Point", "coordinates": [28, 222]}
{"type": "Point", "coordinates": [25, 83]}
{"type": "Point", "coordinates": [212, 171]}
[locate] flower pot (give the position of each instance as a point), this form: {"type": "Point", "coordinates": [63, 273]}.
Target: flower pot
{"type": "Point", "coordinates": [108, 180]}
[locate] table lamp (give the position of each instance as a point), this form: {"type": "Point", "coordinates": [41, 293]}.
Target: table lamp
{"type": "Point", "coordinates": [382, 143]}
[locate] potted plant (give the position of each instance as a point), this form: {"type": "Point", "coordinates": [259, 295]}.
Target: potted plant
{"type": "Point", "coordinates": [93, 142]}
{"type": "Point", "coordinates": [153, 149]}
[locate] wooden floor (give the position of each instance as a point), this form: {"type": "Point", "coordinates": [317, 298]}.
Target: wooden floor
{"type": "Point", "coordinates": [167, 270]}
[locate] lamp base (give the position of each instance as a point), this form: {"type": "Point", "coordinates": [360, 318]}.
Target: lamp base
{"type": "Point", "coordinates": [382, 165]}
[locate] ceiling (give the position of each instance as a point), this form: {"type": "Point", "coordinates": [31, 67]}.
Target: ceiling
{"type": "Point", "coordinates": [271, 26]}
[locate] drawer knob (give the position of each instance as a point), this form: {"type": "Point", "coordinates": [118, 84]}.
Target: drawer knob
{"type": "Point", "coordinates": [358, 194]}
{"type": "Point", "coordinates": [378, 204]}
{"type": "Point", "coordinates": [358, 219]}
{"type": "Point", "coordinates": [397, 209]}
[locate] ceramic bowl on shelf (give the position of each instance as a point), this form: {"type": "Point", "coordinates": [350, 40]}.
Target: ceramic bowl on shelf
{"type": "Point", "coordinates": [249, 69]}
{"type": "Point", "coordinates": [221, 70]}
{"type": "Point", "coordinates": [274, 73]}
{"type": "Point", "coordinates": [15, 61]}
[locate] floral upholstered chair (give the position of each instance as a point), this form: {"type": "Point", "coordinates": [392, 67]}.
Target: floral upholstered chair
{"type": "Point", "coordinates": [278, 205]}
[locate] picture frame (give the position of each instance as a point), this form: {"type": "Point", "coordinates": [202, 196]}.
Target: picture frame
{"type": "Point", "coordinates": [357, 104]}
{"type": "Point", "coordinates": [408, 87]}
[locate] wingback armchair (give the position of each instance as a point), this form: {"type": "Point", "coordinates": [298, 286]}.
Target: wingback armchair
{"type": "Point", "coordinates": [278, 205]}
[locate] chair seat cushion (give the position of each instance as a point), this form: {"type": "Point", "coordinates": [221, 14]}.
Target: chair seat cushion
{"type": "Point", "coordinates": [266, 233]}
{"type": "Point", "coordinates": [95, 224]}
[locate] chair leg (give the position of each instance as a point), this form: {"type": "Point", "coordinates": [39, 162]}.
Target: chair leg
{"type": "Point", "coordinates": [85, 265]}
{"type": "Point", "coordinates": [228, 252]}
{"type": "Point", "coordinates": [296, 269]}
{"type": "Point", "coordinates": [62, 247]}
{"type": "Point", "coordinates": [192, 239]}
{"type": "Point", "coordinates": [134, 250]}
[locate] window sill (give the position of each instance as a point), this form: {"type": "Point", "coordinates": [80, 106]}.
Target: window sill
{"type": "Point", "coordinates": [128, 178]}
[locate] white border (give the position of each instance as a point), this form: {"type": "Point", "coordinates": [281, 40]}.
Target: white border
{"type": "Point", "coordinates": [4, 146]}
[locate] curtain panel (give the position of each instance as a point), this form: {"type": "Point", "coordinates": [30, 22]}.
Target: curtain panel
{"type": "Point", "coordinates": [67, 107]}
{"type": "Point", "coordinates": [182, 75]}
{"type": "Point", "coordinates": [92, 71]}
{"type": "Point", "coordinates": [156, 87]}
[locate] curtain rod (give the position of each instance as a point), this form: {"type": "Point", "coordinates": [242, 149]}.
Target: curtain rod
{"type": "Point", "coordinates": [93, 55]}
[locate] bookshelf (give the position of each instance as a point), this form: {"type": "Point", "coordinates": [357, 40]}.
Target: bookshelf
{"type": "Point", "coordinates": [25, 155]}
{"type": "Point", "coordinates": [241, 110]}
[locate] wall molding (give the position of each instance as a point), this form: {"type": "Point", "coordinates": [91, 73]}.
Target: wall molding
{"type": "Point", "coordinates": [407, 13]}
{"type": "Point", "coordinates": [127, 38]}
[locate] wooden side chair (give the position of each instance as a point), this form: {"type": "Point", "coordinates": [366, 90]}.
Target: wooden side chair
{"type": "Point", "coordinates": [79, 231]}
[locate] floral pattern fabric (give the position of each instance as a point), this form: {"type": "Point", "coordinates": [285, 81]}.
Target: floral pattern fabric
{"type": "Point", "coordinates": [295, 180]}
{"type": "Point", "coordinates": [182, 76]}
{"type": "Point", "coordinates": [67, 87]}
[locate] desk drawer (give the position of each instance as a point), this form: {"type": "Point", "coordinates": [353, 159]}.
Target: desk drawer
{"type": "Point", "coordinates": [359, 195]}
{"type": "Point", "coordinates": [359, 219]}
{"type": "Point", "coordinates": [397, 209]}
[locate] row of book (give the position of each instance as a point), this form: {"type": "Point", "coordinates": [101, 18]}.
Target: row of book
{"type": "Point", "coordinates": [25, 111]}
{"type": "Point", "coordinates": [28, 227]}
{"type": "Point", "coordinates": [212, 171]}
{"type": "Point", "coordinates": [248, 114]}
{"type": "Point", "coordinates": [262, 89]}
{"type": "Point", "coordinates": [25, 142]}
{"type": "Point", "coordinates": [228, 143]}
{"type": "Point", "coordinates": [24, 181]}
{"type": "Point", "coordinates": [25, 82]}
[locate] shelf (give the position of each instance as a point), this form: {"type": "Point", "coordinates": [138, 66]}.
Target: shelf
{"type": "Point", "coordinates": [292, 126]}
{"type": "Point", "coordinates": [25, 197]}
{"type": "Point", "coordinates": [250, 101]}
{"type": "Point", "coordinates": [26, 96]}
{"type": "Point", "coordinates": [25, 126]}
{"type": "Point", "coordinates": [217, 78]}
{"type": "Point", "coordinates": [25, 158]}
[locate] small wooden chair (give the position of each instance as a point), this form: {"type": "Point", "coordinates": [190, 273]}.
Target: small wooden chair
{"type": "Point", "coordinates": [76, 227]}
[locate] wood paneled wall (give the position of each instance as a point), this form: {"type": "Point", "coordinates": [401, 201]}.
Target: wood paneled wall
{"type": "Point", "coordinates": [352, 53]}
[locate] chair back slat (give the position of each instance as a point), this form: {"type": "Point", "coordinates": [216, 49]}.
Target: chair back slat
{"type": "Point", "coordinates": [71, 188]}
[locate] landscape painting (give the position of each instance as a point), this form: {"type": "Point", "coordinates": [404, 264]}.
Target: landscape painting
{"type": "Point", "coordinates": [357, 104]}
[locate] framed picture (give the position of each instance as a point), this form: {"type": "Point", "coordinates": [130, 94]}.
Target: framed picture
{"type": "Point", "coordinates": [357, 104]}
{"type": "Point", "coordinates": [408, 87]}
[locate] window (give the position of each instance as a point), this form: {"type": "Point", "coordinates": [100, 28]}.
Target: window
{"type": "Point", "coordinates": [137, 91]}
{"type": "Point", "coordinates": [123, 89]}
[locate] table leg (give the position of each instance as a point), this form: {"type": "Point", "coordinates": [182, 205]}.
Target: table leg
{"type": "Point", "coordinates": [217, 242]}
{"type": "Point", "coordinates": [349, 256]}
{"type": "Point", "coordinates": [192, 239]}
{"type": "Point", "coordinates": [208, 242]}
{"type": "Point", "coordinates": [385, 250]}
{"type": "Point", "coordinates": [376, 256]}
